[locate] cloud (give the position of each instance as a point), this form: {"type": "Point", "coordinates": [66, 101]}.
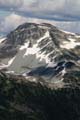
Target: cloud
{"type": "Point", "coordinates": [52, 9]}
{"type": "Point", "coordinates": [58, 10]}
{"type": "Point", "coordinates": [59, 6]}
{"type": "Point", "coordinates": [63, 13]}
{"type": "Point", "coordinates": [69, 26]}
{"type": "Point", "coordinates": [10, 4]}
{"type": "Point", "coordinates": [11, 22]}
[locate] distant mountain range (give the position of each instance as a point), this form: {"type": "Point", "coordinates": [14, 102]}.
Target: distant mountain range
{"type": "Point", "coordinates": [41, 52]}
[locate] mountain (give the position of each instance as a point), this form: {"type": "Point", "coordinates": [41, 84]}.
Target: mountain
{"type": "Point", "coordinates": [40, 74]}
{"type": "Point", "coordinates": [41, 52]}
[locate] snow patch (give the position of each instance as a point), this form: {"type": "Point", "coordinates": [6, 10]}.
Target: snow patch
{"type": "Point", "coordinates": [2, 66]}
{"type": "Point", "coordinates": [24, 46]}
{"type": "Point", "coordinates": [43, 56]}
{"type": "Point", "coordinates": [11, 72]}
{"type": "Point", "coordinates": [32, 50]}
{"type": "Point", "coordinates": [45, 36]}
{"type": "Point", "coordinates": [2, 39]}
{"type": "Point", "coordinates": [68, 32]}
{"type": "Point", "coordinates": [11, 61]}
{"type": "Point", "coordinates": [71, 44]}
{"type": "Point", "coordinates": [77, 36]}
{"type": "Point", "coordinates": [63, 72]}
{"type": "Point", "coordinates": [35, 50]}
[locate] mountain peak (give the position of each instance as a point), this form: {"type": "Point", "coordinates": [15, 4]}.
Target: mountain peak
{"type": "Point", "coordinates": [38, 46]}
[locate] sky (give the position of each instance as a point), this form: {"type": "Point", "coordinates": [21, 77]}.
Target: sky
{"type": "Point", "coordinates": [65, 14]}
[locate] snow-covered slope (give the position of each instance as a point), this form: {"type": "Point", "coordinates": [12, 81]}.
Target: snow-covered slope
{"type": "Point", "coordinates": [40, 51]}
{"type": "Point", "coordinates": [2, 39]}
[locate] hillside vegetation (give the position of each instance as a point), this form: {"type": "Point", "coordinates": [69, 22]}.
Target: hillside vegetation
{"type": "Point", "coordinates": [21, 100]}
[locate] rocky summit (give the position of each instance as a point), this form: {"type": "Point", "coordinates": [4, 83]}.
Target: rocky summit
{"type": "Point", "coordinates": [41, 52]}
{"type": "Point", "coordinates": [40, 74]}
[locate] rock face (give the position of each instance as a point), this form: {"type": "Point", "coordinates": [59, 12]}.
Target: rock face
{"type": "Point", "coordinates": [41, 51]}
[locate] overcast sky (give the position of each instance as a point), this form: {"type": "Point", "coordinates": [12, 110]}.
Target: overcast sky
{"type": "Point", "coordinates": [63, 13]}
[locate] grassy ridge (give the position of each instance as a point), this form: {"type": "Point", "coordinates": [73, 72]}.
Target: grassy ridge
{"type": "Point", "coordinates": [31, 101]}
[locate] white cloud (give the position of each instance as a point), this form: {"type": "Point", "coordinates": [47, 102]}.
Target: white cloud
{"type": "Point", "coordinates": [11, 22]}
{"type": "Point", "coordinates": [51, 9]}
{"type": "Point", "coordinates": [68, 10]}
{"type": "Point", "coordinates": [58, 5]}
{"type": "Point", "coordinates": [63, 13]}
{"type": "Point", "coordinates": [10, 4]}
{"type": "Point", "coordinates": [69, 26]}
